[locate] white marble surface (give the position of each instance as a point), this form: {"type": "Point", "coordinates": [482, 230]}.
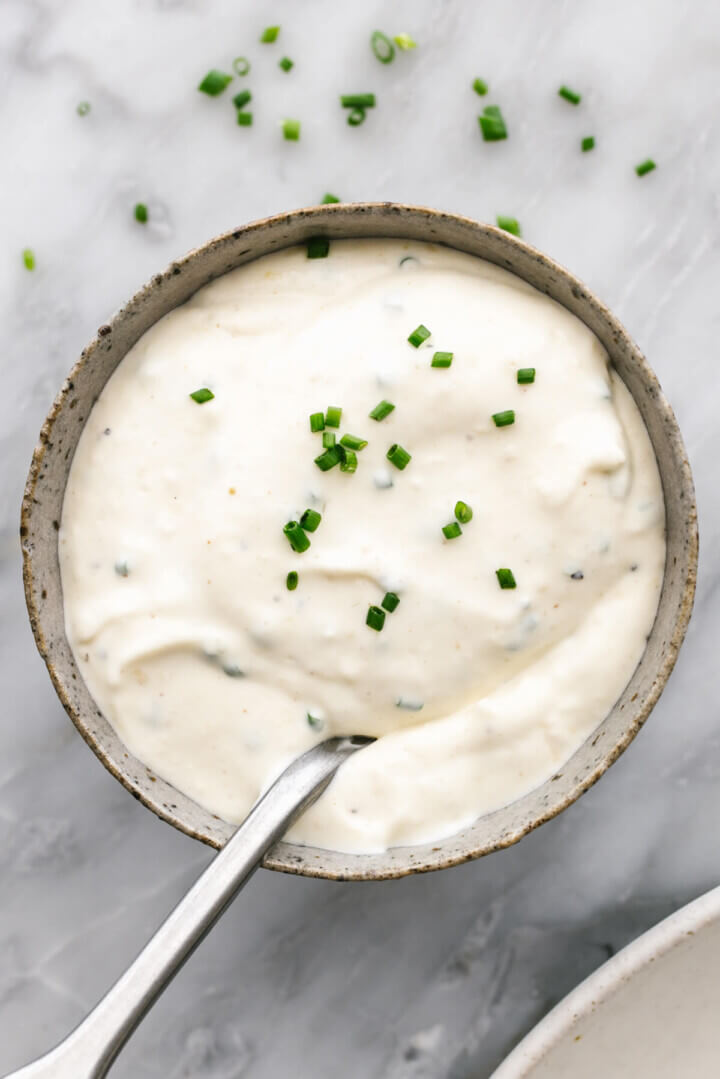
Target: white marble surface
{"type": "Point", "coordinates": [427, 977]}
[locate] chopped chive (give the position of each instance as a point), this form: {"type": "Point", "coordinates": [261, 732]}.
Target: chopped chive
{"type": "Point", "coordinates": [317, 422]}
{"type": "Point", "coordinates": [83, 108]}
{"type": "Point", "coordinates": [570, 95]}
{"type": "Point", "coordinates": [203, 395]}
{"type": "Point", "coordinates": [480, 87]}
{"type": "Point", "coordinates": [314, 722]}
{"type": "Point", "coordinates": [390, 601]}
{"type": "Point", "coordinates": [404, 42]}
{"type": "Point", "coordinates": [382, 46]}
{"type": "Point", "coordinates": [348, 459]}
{"type": "Point", "coordinates": [328, 439]}
{"type": "Point", "coordinates": [286, 63]}
{"type": "Point", "coordinates": [122, 569]}
{"type": "Point", "coordinates": [215, 82]}
{"type": "Point", "coordinates": [291, 581]}
{"type": "Point", "coordinates": [410, 704]}
{"type": "Point", "coordinates": [328, 199]}
{"type": "Point", "coordinates": [463, 512]}
{"type": "Point", "coordinates": [291, 130]}
{"type": "Point", "coordinates": [328, 458]}
{"type": "Point", "coordinates": [242, 99]}
{"type": "Point", "coordinates": [504, 419]}
{"type": "Point", "coordinates": [508, 224]}
{"type": "Point", "coordinates": [269, 34]}
{"type": "Point", "coordinates": [452, 531]}
{"type": "Point", "coordinates": [352, 442]}
{"type": "Point", "coordinates": [398, 456]}
{"type": "Point", "coordinates": [296, 537]}
{"type": "Point", "coordinates": [525, 376]}
{"type": "Point", "coordinates": [357, 101]}
{"type": "Point", "coordinates": [244, 119]}
{"type": "Point", "coordinates": [645, 166]}
{"type": "Point", "coordinates": [506, 578]}
{"type": "Point", "coordinates": [382, 410]}
{"type": "Point", "coordinates": [333, 416]}
{"type": "Point", "coordinates": [28, 259]}
{"type": "Point", "coordinates": [241, 65]}
{"type": "Point", "coordinates": [588, 143]}
{"type": "Point", "coordinates": [375, 618]}
{"type": "Point", "coordinates": [420, 334]}
{"type": "Point", "coordinates": [310, 520]}
{"type": "Point", "coordinates": [318, 247]}
{"type": "Point", "coordinates": [141, 212]}
{"type": "Point", "coordinates": [356, 117]}
{"type": "Point", "coordinates": [492, 124]}
{"type": "Point", "coordinates": [442, 359]}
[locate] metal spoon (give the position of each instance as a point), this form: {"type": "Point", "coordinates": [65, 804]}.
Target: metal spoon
{"type": "Point", "coordinates": [93, 1046]}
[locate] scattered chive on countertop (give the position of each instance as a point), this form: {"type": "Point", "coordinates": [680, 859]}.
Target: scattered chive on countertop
{"type": "Point", "coordinates": [242, 98]}
{"type": "Point", "coordinates": [508, 224]}
{"type": "Point", "coordinates": [525, 376]}
{"type": "Point", "coordinates": [241, 65]}
{"type": "Point", "coordinates": [317, 422]}
{"type": "Point", "coordinates": [588, 143]}
{"type": "Point", "coordinates": [202, 395]}
{"type": "Point", "coordinates": [645, 167]}
{"type": "Point", "coordinates": [296, 537]}
{"type": "Point", "coordinates": [357, 101]}
{"type": "Point", "coordinates": [480, 87]}
{"type": "Point", "coordinates": [269, 34]}
{"type": "Point", "coordinates": [310, 520]}
{"type": "Point", "coordinates": [318, 247]}
{"type": "Point", "coordinates": [244, 119]}
{"type": "Point", "coordinates": [382, 46]}
{"type": "Point", "coordinates": [291, 581]}
{"type": "Point", "coordinates": [504, 419]}
{"type": "Point", "coordinates": [570, 95]}
{"type": "Point", "coordinates": [291, 130]}
{"type": "Point", "coordinates": [286, 63]}
{"type": "Point", "coordinates": [463, 512]}
{"type": "Point", "coordinates": [375, 618]}
{"type": "Point", "coordinates": [329, 199]}
{"type": "Point", "coordinates": [356, 117]}
{"type": "Point", "coordinates": [398, 456]}
{"type": "Point", "coordinates": [382, 410]}
{"type": "Point", "coordinates": [333, 416]}
{"type": "Point", "coordinates": [83, 108]}
{"type": "Point", "coordinates": [28, 259]}
{"type": "Point", "coordinates": [141, 212]}
{"type": "Point", "coordinates": [506, 578]}
{"type": "Point", "coordinates": [390, 601]}
{"type": "Point", "coordinates": [419, 334]}
{"type": "Point", "coordinates": [442, 359]}
{"type": "Point", "coordinates": [492, 124]}
{"type": "Point", "coordinates": [215, 82]}
{"type": "Point", "coordinates": [452, 531]}
{"type": "Point", "coordinates": [404, 42]}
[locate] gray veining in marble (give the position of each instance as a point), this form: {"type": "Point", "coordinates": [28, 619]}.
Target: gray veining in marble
{"type": "Point", "coordinates": [427, 977]}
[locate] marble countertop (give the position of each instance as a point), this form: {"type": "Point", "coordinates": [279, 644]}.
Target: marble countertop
{"type": "Point", "coordinates": [435, 976]}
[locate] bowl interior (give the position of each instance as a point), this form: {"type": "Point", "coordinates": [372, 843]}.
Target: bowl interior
{"type": "Point", "coordinates": [45, 489]}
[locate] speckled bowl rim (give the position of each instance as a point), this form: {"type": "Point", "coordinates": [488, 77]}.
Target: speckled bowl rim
{"type": "Point", "coordinates": [371, 220]}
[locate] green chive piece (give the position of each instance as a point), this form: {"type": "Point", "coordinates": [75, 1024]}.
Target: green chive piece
{"type": "Point", "coordinates": [241, 65]}
{"type": "Point", "coordinates": [382, 46]}
{"type": "Point", "coordinates": [291, 130]}
{"type": "Point", "coordinates": [141, 212]}
{"type": "Point", "coordinates": [645, 167]}
{"type": "Point", "coordinates": [215, 82]}
{"type": "Point", "coordinates": [244, 119]}
{"type": "Point", "coordinates": [404, 42]}
{"type": "Point", "coordinates": [314, 722]}
{"type": "Point", "coordinates": [480, 87]}
{"type": "Point", "coordinates": [269, 34]}
{"type": "Point", "coordinates": [286, 63]}
{"type": "Point", "coordinates": [525, 376]}
{"type": "Point", "coordinates": [203, 395]}
{"type": "Point", "coordinates": [328, 459]}
{"type": "Point", "coordinates": [504, 419]}
{"type": "Point", "coordinates": [296, 537]}
{"type": "Point", "coordinates": [318, 247]}
{"type": "Point", "coordinates": [291, 581]}
{"type": "Point", "coordinates": [310, 520]}
{"type": "Point", "coordinates": [398, 456]}
{"type": "Point", "coordinates": [122, 569]}
{"type": "Point", "coordinates": [390, 601]}
{"type": "Point", "coordinates": [28, 259]}
{"type": "Point", "coordinates": [463, 512]}
{"type": "Point", "coordinates": [348, 459]}
{"type": "Point", "coordinates": [317, 422]}
{"type": "Point", "coordinates": [420, 334]}
{"type": "Point", "coordinates": [242, 99]}
{"type": "Point", "coordinates": [328, 199]}
{"type": "Point", "coordinates": [328, 439]}
{"type": "Point", "coordinates": [352, 442]}
{"type": "Point", "coordinates": [588, 143]}
{"type": "Point", "coordinates": [509, 224]}
{"type": "Point", "coordinates": [375, 618]}
{"type": "Point", "coordinates": [442, 359]}
{"type": "Point", "coordinates": [452, 531]}
{"type": "Point", "coordinates": [333, 416]}
{"type": "Point", "coordinates": [357, 101]}
{"type": "Point", "coordinates": [492, 124]}
{"type": "Point", "coordinates": [83, 108]}
{"type": "Point", "coordinates": [570, 95]}
{"type": "Point", "coordinates": [506, 578]}
{"type": "Point", "coordinates": [356, 117]}
{"type": "Point", "coordinates": [382, 410]}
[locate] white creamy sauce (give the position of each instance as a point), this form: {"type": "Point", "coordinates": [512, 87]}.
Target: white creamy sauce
{"type": "Point", "coordinates": [174, 560]}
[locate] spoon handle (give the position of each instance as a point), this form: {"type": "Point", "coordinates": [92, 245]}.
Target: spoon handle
{"type": "Point", "coordinates": [92, 1047]}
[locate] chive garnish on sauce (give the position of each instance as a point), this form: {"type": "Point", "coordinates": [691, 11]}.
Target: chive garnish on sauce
{"type": "Point", "coordinates": [508, 224]}
{"type": "Point", "coordinates": [588, 143]}
{"type": "Point", "coordinates": [570, 95]}
{"type": "Point", "coordinates": [328, 439]}
{"type": "Point", "coordinates": [452, 531]}
{"type": "Point", "coordinates": [318, 247]}
{"type": "Point", "coordinates": [375, 618]}
{"type": "Point", "coordinates": [382, 410]}
{"type": "Point", "coordinates": [463, 512]}
{"type": "Point", "coordinates": [28, 259]}
{"type": "Point", "coordinates": [215, 82]}
{"type": "Point", "coordinates": [645, 167]}
{"type": "Point", "coordinates": [357, 101]}
{"type": "Point", "coordinates": [314, 722]}
{"type": "Point", "coordinates": [348, 459]}
{"type": "Point", "coordinates": [390, 601]}
{"type": "Point", "coordinates": [382, 46]}
{"type": "Point", "coordinates": [333, 416]}
{"type": "Point", "coordinates": [506, 578]}
{"type": "Point", "coordinates": [352, 442]}
{"type": "Point", "coordinates": [420, 334]}
{"type": "Point", "coordinates": [291, 581]}
{"type": "Point", "coordinates": [329, 458]}
{"type": "Point", "coordinates": [310, 520]}
{"type": "Point", "coordinates": [398, 456]}
{"type": "Point", "coordinates": [286, 63]}
{"type": "Point", "coordinates": [504, 419]}
{"type": "Point", "coordinates": [328, 199]}
{"type": "Point", "coordinates": [317, 422]}
{"type": "Point", "coordinates": [442, 359]}
{"type": "Point", "coordinates": [296, 536]}
{"type": "Point", "coordinates": [202, 395]}
{"type": "Point", "coordinates": [269, 34]}
{"type": "Point", "coordinates": [141, 212]}
{"type": "Point", "coordinates": [492, 124]}
{"type": "Point", "coordinates": [291, 130]}
{"type": "Point", "coordinates": [525, 376]}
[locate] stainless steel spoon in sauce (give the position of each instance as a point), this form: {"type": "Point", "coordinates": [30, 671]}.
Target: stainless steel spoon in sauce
{"type": "Point", "coordinates": [92, 1047]}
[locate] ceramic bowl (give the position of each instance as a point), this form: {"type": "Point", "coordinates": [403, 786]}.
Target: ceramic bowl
{"type": "Point", "coordinates": [650, 1012]}
{"type": "Point", "coordinates": [42, 507]}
